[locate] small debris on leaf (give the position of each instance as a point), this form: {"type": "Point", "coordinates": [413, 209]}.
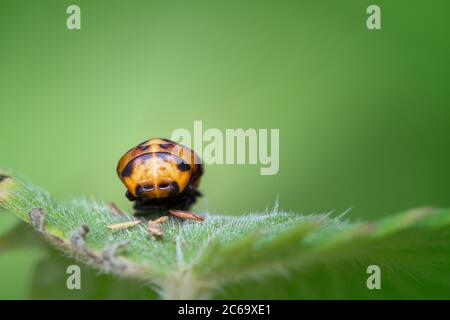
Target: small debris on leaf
{"type": "Point", "coordinates": [37, 218]}
{"type": "Point", "coordinates": [161, 220]}
{"type": "Point", "coordinates": [114, 208]}
{"type": "Point", "coordinates": [155, 229]}
{"type": "Point", "coordinates": [123, 225]}
{"type": "Point", "coordinates": [186, 215]}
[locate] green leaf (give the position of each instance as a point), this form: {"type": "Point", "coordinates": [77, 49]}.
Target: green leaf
{"type": "Point", "coordinates": [414, 260]}
{"type": "Point", "coordinates": [266, 255]}
{"type": "Point", "coordinates": [50, 277]}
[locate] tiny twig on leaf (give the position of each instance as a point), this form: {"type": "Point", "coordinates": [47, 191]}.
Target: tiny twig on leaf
{"type": "Point", "coordinates": [186, 215]}
{"type": "Point", "coordinates": [123, 225]}
{"type": "Point", "coordinates": [114, 208]}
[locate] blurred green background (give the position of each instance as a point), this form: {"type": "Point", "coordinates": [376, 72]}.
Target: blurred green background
{"type": "Point", "coordinates": [364, 116]}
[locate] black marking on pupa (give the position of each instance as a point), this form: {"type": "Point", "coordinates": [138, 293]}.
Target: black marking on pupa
{"type": "Point", "coordinates": [130, 196]}
{"type": "Point", "coordinates": [184, 166]}
{"type": "Point", "coordinates": [148, 187]}
{"type": "Point", "coordinates": [164, 186]}
{"type": "Point", "coordinates": [175, 188]}
{"type": "Point", "coordinates": [166, 145]}
{"type": "Point", "coordinates": [138, 190]}
{"type": "Point", "coordinates": [3, 177]}
{"type": "Point", "coordinates": [164, 156]}
{"type": "Point", "coordinates": [142, 147]}
{"type": "Point", "coordinates": [128, 170]}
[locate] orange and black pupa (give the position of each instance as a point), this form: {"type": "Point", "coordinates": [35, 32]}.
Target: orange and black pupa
{"type": "Point", "coordinates": [160, 174]}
